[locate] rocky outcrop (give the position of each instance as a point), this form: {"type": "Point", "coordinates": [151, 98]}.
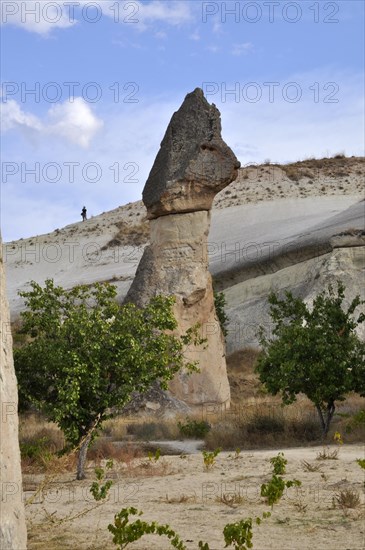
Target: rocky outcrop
{"type": "Point", "coordinates": [192, 165]}
{"type": "Point", "coordinates": [13, 535]}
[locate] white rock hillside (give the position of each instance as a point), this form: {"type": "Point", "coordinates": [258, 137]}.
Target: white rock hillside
{"type": "Point", "coordinates": [273, 228]}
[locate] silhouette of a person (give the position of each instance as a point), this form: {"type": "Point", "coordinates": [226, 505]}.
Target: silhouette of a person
{"type": "Point", "coordinates": [83, 213]}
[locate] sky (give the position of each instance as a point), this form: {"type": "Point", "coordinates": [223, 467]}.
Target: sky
{"type": "Point", "coordinates": [88, 88]}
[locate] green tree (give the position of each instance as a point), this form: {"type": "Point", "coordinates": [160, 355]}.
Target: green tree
{"type": "Point", "coordinates": [314, 351]}
{"type": "Point", "coordinates": [87, 355]}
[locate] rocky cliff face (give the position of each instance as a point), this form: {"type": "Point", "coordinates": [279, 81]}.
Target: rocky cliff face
{"type": "Point", "coordinates": [13, 534]}
{"type": "Point", "coordinates": [305, 263]}
{"type": "Point", "coordinates": [193, 164]}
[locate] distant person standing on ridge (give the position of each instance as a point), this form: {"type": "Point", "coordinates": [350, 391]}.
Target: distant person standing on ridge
{"type": "Point", "coordinates": [83, 213]}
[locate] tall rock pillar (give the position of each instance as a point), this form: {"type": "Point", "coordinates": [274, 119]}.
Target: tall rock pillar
{"type": "Point", "coordinates": [191, 167]}
{"type": "Point", "coordinates": [13, 535]}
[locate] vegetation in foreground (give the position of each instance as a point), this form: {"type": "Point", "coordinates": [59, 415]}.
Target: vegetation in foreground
{"type": "Point", "coordinates": [86, 355]}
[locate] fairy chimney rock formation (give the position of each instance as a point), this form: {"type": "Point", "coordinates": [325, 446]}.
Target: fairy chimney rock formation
{"type": "Point", "coordinates": [13, 535]}
{"type": "Point", "coordinates": [191, 167]}
{"type": "Point", "coordinates": [193, 163]}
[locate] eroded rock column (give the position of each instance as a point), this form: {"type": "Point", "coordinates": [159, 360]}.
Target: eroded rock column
{"type": "Point", "coordinates": [13, 535]}
{"type": "Point", "coordinates": [191, 167]}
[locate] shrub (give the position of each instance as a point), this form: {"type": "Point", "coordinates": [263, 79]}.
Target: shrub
{"type": "Point", "coordinates": [279, 463]}
{"type": "Point", "coordinates": [209, 458]}
{"type": "Point", "coordinates": [194, 428]}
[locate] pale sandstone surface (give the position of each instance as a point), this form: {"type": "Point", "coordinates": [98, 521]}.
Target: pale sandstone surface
{"type": "Point", "coordinates": [13, 535]}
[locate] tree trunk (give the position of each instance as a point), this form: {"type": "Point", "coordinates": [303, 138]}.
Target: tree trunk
{"type": "Point", "coordinates": [82, 456]}
{"type": "Point", "coordinates": [326, 419]}
{"type": "Point", "coordinates": [321, 418]}
{"type": "Point", "coordinates": [329, 415]}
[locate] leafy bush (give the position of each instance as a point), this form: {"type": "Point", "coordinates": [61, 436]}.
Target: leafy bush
{"type": "Point", "coordinates": [124, 532]}
{"type": "Point", "coordinates": [209, 458]}
{"type": "Point", "coordinates": [35, 449]}
{"type": "Point", "coordinates": [238, 535]}
{"type": "Point", "coordinates": [194, 428]}
{"type": "Point", "coordinates": [279, 463]}
{"type": "Point", "coordinates": [274, 490]}
{"type": "Point", "coordinates": [98, 489]}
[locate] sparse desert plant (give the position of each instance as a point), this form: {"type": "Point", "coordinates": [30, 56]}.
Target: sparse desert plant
{"type": "Point", "coordinates": [209, 458]}
{"type": "Point", "coordinates": [274, 490]}
{"type": "Point", "coordinates": [361, 462]}
{"type": "Point", "coordinates": [98, 489]}
{"type": "Point", "coordinates": [347, 498]}
{"type": "Point", "coordinates": [300, 506]}
{"type": "Point", "coordinates": [338, 438]}
{"type": "Point", "coordinates": [154, 456]}
{"type": "Point", "coordinates": [279, 464]}
{"type": "Point", "coordinates": [231, 499]}
{"type": "Point", "coordinates": [327, 454]}
{"type": "Point", "coordinates": [308, 467]}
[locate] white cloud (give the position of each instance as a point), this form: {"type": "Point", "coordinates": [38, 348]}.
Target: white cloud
{"type": "Point", "coordinates": [74, 121]}
{"type": "Point", "coordinates": [172, 12]}
{"type": "Point", "coordinates": [42, 17]}
{"type": "Point", "coordinates": [36, 16]}
{"type": "Point", "coordinates": [12, 116]}
{"type": "Point", "coordinates": [242, 49]}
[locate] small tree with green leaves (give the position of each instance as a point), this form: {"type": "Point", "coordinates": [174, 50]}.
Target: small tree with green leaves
{"type": "Point", "coordinates": [87, 355]}
{"type": "Point", "coordinates": [314, 351]}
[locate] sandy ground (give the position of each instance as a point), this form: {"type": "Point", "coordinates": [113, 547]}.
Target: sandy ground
{"type": "Point", "coordinates": [178, 490]}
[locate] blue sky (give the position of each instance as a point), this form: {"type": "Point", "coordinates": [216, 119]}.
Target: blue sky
{"type": "Point", "coordinates": [107, 75]}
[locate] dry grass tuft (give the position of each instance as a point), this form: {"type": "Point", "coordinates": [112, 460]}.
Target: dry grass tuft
{"type": "Point", "coordinates": [308, 467]}
{"type": "Point", "coordinates": [327, 454]}
{"type": "Point", "coordinates": [231, 499]}
{"type": "Point", "coordinates": [347, 498]}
